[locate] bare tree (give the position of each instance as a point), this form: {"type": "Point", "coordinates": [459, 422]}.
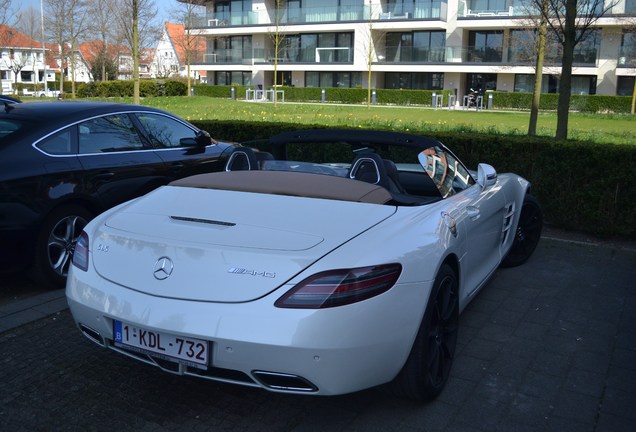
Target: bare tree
{"type": "Point", "coordinates": [138, 29]}
{"type": "Point", "coordinates": [103, 18]}
{"type": "Point", "coordinates": [57, 14]}
{"type": "Point", "coordinates": [188, 43]}
{"type": "Point", "coordinates": [77, 28]}
{"type": "Point", "coordinates": [278, 37]}
{"type": "Point", "coordinates": [570, 21]}
{"type": "Point", "coordinates": [8, 14]}
{"type": "Point", "coordinates": [29, 24]}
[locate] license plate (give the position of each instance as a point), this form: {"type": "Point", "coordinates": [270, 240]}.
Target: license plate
{"type": "Point", "coordinates": [194, 352]}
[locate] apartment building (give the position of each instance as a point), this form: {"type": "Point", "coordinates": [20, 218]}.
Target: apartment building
{"type": "Point", "coordinates": [407, 44]}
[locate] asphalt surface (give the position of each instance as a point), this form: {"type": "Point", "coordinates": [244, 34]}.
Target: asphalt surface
{"type": "Point", "coordinates": [548, 346]}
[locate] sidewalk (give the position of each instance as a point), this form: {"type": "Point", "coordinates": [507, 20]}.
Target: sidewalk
{"type": "Point", "coordinates": [19, 312]}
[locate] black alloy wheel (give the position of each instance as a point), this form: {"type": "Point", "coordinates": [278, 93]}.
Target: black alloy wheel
{"type": "Point", "coordinates": [428, 366]}
{"type": "Point", "coordinates": [527, 234]}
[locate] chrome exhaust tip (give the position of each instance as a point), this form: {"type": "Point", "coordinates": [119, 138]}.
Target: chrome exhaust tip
{"type": "Point", "coordinates": [284, 382]}
{"type": "Point", "coordinates": [93, 335]}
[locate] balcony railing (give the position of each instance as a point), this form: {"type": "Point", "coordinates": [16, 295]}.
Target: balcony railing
{"type": "Point", "coordinates": [304, 55]}
{"type": "Point", "coordinates": [398, 54]}
{"type": "Point", "coordinates": [415, 11]}
{"type": "Point", "coordinates": [627, 57]}
{"type": "Point", "coordinates": [213, 20]}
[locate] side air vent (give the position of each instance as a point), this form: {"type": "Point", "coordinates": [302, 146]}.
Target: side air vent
{"type": "Point", "coordinates": [509, 212]}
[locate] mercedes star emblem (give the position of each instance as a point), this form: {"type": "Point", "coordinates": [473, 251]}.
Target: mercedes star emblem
{"type": "Point", "coordinates": [163, 268]}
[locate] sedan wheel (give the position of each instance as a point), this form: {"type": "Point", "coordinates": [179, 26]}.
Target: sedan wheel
{"type": "Point", "coordinates": [428, 366]}
{"type": "Point", "coordinates": [527, 234]}
{"type": "Point", "coordinates": [56, 244]}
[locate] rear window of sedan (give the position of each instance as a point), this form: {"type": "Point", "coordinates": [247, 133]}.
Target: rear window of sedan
{"type": "Point", "coordinates": [7, 127]}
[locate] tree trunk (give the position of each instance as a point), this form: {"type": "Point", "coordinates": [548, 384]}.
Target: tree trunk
{"type": "Point", "coordinates": [565, 86]}
{"type": "Point", "coordinates": [538, 76]}
{"type": "Point", "coordinates": [634, 97]}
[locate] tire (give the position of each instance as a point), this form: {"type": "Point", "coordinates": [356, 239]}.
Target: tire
{"type": "Point", "coordinates": [428, 366]}
{"type": "Point", "coordinates": [56, 243]}
{"type": "Point", "coordinates": [527, 234]}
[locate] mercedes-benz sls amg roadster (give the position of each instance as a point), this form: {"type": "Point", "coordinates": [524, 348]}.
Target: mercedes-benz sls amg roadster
{"type": "Point", "coordinates": [317, 262]}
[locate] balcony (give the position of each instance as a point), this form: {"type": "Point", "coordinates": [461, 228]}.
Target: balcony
{"type": "Point", "coordinates": [225, 56]}
{"type": "Point", "coordinates": [326, 14]}
{"type": "Point", "coordinates": [304, 55]}
{"type": "Point", "coordinates": [212, 20]}
{"type": "Point", "coordinates": [401, 55]}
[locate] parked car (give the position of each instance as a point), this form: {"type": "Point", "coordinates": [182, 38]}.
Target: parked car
{"type": "Point", "coordinates": [62, 163]}
{"type": "Point", "coordinates": [9, 99]}
{"type": "Point", "coordinates": [326, 263]}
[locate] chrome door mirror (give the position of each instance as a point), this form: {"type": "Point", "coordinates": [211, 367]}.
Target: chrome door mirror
{"type": "Point", "coordinates": [486, 175]}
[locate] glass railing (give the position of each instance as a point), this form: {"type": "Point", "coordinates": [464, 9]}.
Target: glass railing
{"type": "Point", "coordinates": [398, 54]}
{"type": "Point", "coordinates": [627, 56]}
{"type": "Point", "coordinates": [304, 55]}
{"type": "Point", "coordinates": [225, 19]}
{"type": "Point", "coordinates": [419, 10]}
{"type": "Point", "coordinates": [226, 56]}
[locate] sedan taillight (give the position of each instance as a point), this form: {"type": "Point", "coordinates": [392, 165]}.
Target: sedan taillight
{"type": "Point", "coordinates": [80, 255]}
{"type": "Point", "coordinates": [340, 287]}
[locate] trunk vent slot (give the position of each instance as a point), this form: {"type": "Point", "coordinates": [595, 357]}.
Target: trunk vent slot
{"type": "Point", "coordinates": [203, 221]}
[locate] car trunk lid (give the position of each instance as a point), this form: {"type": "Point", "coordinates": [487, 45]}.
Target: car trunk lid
{"type": "Point", "coordinates": [191, 244]}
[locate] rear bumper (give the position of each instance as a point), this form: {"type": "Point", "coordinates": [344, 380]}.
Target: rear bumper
{"type": "Point", "coordinates": [326, 352]}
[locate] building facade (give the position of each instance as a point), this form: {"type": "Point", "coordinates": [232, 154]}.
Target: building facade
{"type": "Point", "coordinates": [23, 61]}
{"type": "Point", "coordinates": [407, 44]}
{"type": "Point", "coordinates": [173, 49]}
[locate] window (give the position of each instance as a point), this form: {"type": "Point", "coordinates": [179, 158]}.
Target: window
{"type": "Point", "coordinates": [625, 85]}
{"type": "Point", "coordinates": [7, 127]}
{"type": "Point", "coordinates": [414, 80]}
{"type": "Point", "coordinates": [485, 46]}
{"type": "Point", "coordinates": [233, 77]}
{"type": "Point", "coordinates": [585, 51]}
{"type": "Point", "coordinates": [448, 174]}
{"type": "Point", "coordinates": [333, 79]}
{"type": "Point", "coordinates": [111, 133]}
{"type": "Point", "coordinates": [165, 132]}
{"type": "Point", "coordinates": [233, 49]}
{"type": "Point", "coordinates": [322, 47]}
{"type": "Point", "coordinates": [58, 144]}
{"type": "Point", "coordinates": [421, 46]}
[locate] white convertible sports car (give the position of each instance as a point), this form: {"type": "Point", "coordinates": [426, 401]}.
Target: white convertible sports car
{"type": "Point", "coordinates": [327, 262]}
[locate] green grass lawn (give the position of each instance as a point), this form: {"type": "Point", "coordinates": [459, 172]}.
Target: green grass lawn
{"type": "Point", "coordinates": [618, 129]}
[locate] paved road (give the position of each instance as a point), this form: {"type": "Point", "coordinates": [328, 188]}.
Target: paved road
{"type": "Point", "coordinates": [549, 346]}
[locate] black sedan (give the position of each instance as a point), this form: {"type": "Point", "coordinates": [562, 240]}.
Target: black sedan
{"type": "Point", "coordinates": [62, 163]}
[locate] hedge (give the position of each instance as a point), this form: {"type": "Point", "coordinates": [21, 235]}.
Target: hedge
{"type": "Point", "coordinates": [582, 186]}
{"type": "Point", "coordinates": [501, 100]}
{"type": "Point", "coordinates": [147, 88]}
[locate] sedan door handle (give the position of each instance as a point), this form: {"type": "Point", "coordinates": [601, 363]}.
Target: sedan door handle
{"type": "Point", "coordinates": [177, 166]}
{"type": "Point", "coordinates": [473, 212]}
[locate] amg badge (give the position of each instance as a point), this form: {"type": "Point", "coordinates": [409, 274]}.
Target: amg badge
{"type": "Point", "coordinates": [244, 271]}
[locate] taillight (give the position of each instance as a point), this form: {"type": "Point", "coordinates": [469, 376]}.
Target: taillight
{"type": "Point", "coordinates": [80, 255]}
{"type": "Point", "coordinates": [340, 287]}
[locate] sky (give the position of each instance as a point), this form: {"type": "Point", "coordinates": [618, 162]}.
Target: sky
{"type": "Point", "coordinates": [164, 6]}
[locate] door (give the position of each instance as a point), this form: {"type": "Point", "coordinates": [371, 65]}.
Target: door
{"type": "Point", "coordinates": [117, 163]}
{"type": "Point", "coordinates": [173, 141]}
